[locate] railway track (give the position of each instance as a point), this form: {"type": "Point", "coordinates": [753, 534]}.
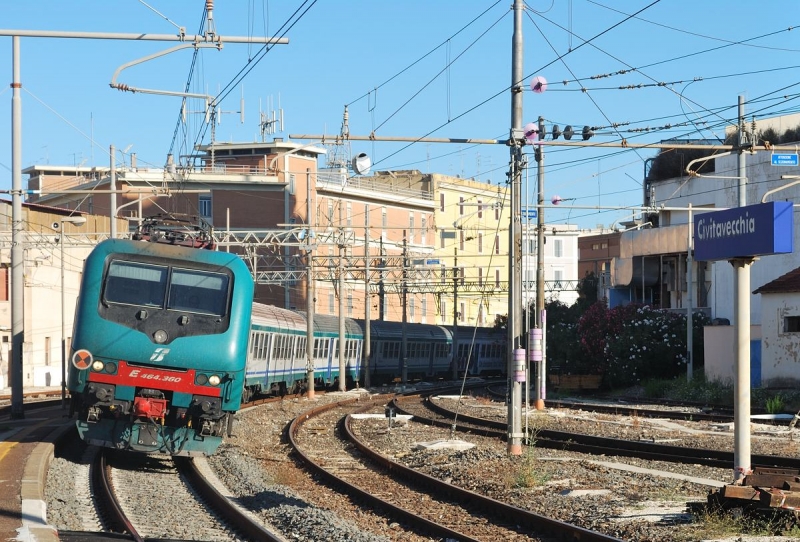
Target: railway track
{"type": "Point", "coordinates": [135, 496]}
{"type": "Point", "coordinates": [427, 411]}
{"type": "Point", "coordinates": [323, 437]}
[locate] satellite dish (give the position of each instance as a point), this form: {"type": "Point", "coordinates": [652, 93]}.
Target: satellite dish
{"type": "Point", "coordinates": [361, 164]}
{"type": "Point", "coordinates": [531, 132]}
{"type": "Point", "coordinates": [568, 132]}
{"type": "Point", "coordinates": [538, 84]}
{"type": "Point", "coordinates": [556, 131]}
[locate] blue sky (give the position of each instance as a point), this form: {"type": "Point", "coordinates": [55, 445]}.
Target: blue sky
{"type": "Point", "coordinates": [407, 68]}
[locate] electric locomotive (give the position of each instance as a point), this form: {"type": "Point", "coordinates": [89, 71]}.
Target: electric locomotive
{"type": "Point", "coordinates": [159, 346]}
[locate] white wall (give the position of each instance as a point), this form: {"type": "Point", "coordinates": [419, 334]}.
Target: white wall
{"type": "Point", "coordinates": [720, 362]}
{"type": "Point", "coordinates": [780, 361]}
{"type": "Point", "coordinates": [718, 192]}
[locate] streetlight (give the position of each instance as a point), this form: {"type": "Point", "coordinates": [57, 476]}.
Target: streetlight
{"type": "Point", "coordinates": [77, 221]}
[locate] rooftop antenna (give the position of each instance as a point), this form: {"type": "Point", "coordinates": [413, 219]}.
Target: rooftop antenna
{"type": "Point", "coordinates": [270, 122]}
{"type": "Point", "coordinates": [339, 155]}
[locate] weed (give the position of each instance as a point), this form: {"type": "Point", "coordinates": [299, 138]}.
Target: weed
{"type": "Point", "coordinates": [775, 404]}
{"type": "Point", "coordinates": [529, 475]}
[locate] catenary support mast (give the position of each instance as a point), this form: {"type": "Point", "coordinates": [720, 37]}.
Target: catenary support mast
{"type": "Point", "coordinates": [516, 375]}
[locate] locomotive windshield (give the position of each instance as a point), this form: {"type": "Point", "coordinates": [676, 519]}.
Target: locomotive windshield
{"type": "Point", "coordinates": [152, 285]}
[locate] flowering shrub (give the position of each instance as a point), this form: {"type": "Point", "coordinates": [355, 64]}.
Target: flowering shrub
{"type": "Point", "coordinates": [627, 344]}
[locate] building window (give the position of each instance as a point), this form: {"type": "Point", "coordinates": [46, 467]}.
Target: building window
{"type": "Point", "coordinates": [791, 324]}
{"type": "Point", "coordinates": [480, 209]}
{"type": "Point", "coordinates": [444, 312]}
{"type": "Point", "coordinates": [411, 228]}
{"type": "Point", "coordinates": [497, 244]}
{"type": "Point", "coordinates": [47, 350]}
{"type": "Point", "coordinates": [558, 248]}
{"type": "Point", "coordinates": [461, 240]}
{"type": "Point", "coordinates": [204, 206]}
{"type": "Point", "coordinates": [480, 276]}
{"type": "Point", "coordinates": [349, 216]}
{"type": "Point", "coordinates": [461, 206]}
{"type": "Point", "coordinates": [330, 213]}
{"type": "Point", "coordinates": [350, 304]}
{"type": "Point", "coordinates": [424, 308]}
{"type": "Point", "coordinates": [412, 306]}
{"type": "Point", "coordinates": [596, 246]}
{"type": "Point", "coordinates": [331, 304]}
{"type": "Point", "coordinates": [384, 220]}
{"type": "Point", "coordinates": [496, 278]}
{"type": "Point", "coordinates": [558, 275]}
{"type": "Point", "coordinates": [497, 210]}
{"type": "Point", "coordinates": [480, 243]}
{"type": "Point", "coordinates": [462, 310]}
{"type": "Point", "coordinates": [441, 202]}
{"type": "Point", "coordinates": [423, 230]}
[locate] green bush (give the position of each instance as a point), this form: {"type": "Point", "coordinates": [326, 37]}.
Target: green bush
{"type": "Point", "coordinates": [628, 344]}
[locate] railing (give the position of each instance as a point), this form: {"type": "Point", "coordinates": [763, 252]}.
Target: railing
{"type": "Point", "coordinates": [382, 184]}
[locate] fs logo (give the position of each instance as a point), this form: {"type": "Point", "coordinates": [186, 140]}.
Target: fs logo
{"type": "Point", "coordinates": [159, 354]}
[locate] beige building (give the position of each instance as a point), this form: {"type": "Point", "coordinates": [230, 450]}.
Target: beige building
{"type": "Point", "coordinates": [394, 238]}
{"type": "Point", "coordinates": [43, 314]}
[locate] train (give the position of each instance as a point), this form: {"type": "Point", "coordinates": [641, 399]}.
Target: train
{"type": "Point", "coordinates": [277, 356]}
{"type": "Point", "coordinates": [167, 343]}
{"type": "Point", "coordinates": [159, 346]}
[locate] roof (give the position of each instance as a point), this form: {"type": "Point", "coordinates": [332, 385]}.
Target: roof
{"type": "Point", "coordinates": [790, 282]}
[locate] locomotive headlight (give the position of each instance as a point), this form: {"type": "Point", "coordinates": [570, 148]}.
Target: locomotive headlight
{"type": "Point", "coordinates": [97, 365]}
{"type": "Point", "coordinates": [213, 380]}
{"type": "Point", "coordinates": [201, 380]}
{"type": "Point", "coordinates": [160, 336]}
{"type": "Point", "coordinates": [111, 367]}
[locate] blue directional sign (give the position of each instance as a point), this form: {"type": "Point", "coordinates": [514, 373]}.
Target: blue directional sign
{"type": "Point", "coordinates": [530, 213]}
{"type": "Point", "coordinates": [784, 159]}
{"type": "Point", "coordinates": [430, 261]}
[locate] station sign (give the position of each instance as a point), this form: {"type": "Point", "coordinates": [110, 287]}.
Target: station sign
{"type": "Point", "coordinates": [530, 213]}
{"type": "Point", "coordinates": [784, 159]}
{"type": "Point", "coordinates": [742, 232]}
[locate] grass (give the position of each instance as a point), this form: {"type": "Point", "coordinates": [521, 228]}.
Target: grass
{"type": "Point", "coordinates": [699, 390]}
{"type": "Point", "coordinates": [718, 523]}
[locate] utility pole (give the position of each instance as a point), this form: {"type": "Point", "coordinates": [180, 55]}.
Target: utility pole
{"type": "Point", "coordinates": [404, 341]}
{"type": "Point", "coordinates": [112, 185]}
{"type": "Point", "coordinates": [516, 367]}
{"type": "Point", "coordinates": [538, 317]}
{"type": "Point", "coordinates": [456, 358]}
{"type": "Point", "coordinates": [342, 340]}
{"type": "Point", "coordinates": [311, 293]}
{"type": "Point", "coordinates": [17, 251]}
{"type": "Point", "coordinates": [366, 349]}
{"type": "Point", "coordinates": [741, 309]}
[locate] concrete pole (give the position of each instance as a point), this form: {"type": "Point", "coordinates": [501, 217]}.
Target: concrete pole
{"type": "Point", "coordinates": [689, 302]}
{"type": "Point", "coordinates": [516, 367]}
{"type": "Point", "coordinates": [112, 184]}
{"type": "Point", "coordinates": [540, 374]}
{"type": "Point", "coordinates": [17, 250]}
{"type": "Point", "coordinates": [456, 359]}
{"type": "Point", "coordinates": [342, 339]}
{"type": "Point", "coordinates": [311, 294]}
{"type": "Point", "coordinates": [367, 347]}
{"type": "Point", "coordinates": [741, 305]}
{"type": "Point", "coordinates": [404, 338]}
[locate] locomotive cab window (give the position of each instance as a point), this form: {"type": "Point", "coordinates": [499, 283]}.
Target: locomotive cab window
{"type": "Point", "coordinates": [136, 284]}
{"type": "Point", "coordinates": [198, 291]}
